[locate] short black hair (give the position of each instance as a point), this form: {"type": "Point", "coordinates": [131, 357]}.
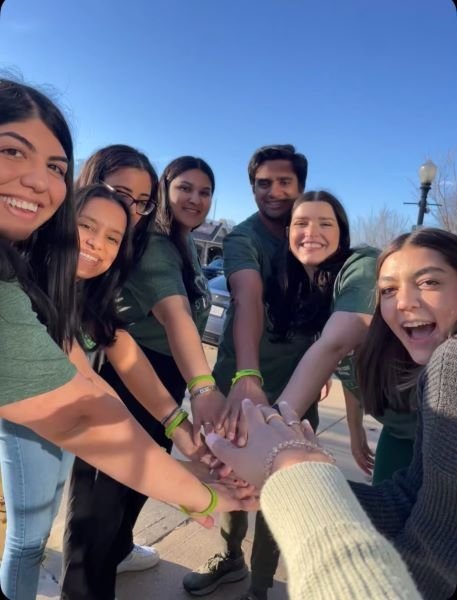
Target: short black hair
{"type": "Point", "coordinates": [280, 152]}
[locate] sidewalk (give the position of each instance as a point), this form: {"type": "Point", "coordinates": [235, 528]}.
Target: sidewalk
{"type": "Point", "coordinates": [184, 545]}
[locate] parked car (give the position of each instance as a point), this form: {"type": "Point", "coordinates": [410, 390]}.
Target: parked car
{"type": "Point", "coordinates": [220, 300]}
{"type": "Point", "coordinates": [214, 268]}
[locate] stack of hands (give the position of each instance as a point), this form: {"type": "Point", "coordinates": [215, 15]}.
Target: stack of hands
{"type": "Point", "coordinates": [272, 440]}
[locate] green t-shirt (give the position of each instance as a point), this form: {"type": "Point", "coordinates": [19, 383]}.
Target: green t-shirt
{"type": "Point", "coordinates": [251, 246]}
{"type": "Point", "coordinates": [158, 275]}
{"type": "Point", "coordinates": [31, 363]}
{"type": "Point", "coordinates": [355, 291]}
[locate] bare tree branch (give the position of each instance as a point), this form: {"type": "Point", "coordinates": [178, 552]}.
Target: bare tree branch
{"type": "Point", "coordinates": [444, 193]}
{"type": "Point", "coordinates": [379, 228]}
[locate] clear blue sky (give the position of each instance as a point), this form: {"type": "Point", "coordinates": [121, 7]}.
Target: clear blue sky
{"type": "Point", "coordinates": [367, 90]}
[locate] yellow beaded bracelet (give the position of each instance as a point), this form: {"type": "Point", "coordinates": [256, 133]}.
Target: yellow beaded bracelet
{"type": "Point", "coordinates": [209, 509]}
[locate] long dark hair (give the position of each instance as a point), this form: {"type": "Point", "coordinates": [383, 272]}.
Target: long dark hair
{"type": "Point", "coordinates": [97, 296]}
{"type": "Point", "coordinates": [51, 251]}
{"type": "Point", "coordinates": [384, 367]}
{"type": "Point", "coordinates": [294, 302]}
{"type": "Point", "coordinates": [167, 225]}
{"type": "Point", "coordinates": [110, 159]}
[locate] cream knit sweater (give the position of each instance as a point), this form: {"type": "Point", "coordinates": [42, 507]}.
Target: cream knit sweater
{"type": "Point", "coordinates": [331, 549]}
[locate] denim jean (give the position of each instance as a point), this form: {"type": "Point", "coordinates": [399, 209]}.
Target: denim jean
{"type": "Point", "coordinates": [33, 475]}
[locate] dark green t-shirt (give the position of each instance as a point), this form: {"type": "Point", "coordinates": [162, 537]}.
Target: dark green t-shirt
{"type": "Point", "coordinates": [31, 363]}
{"type": "Point", "coordinates": [251, 246]}
{"type": "Point", "coordinates": [355, 291]}
{"type": "Point", "coordinates": [158, 275]}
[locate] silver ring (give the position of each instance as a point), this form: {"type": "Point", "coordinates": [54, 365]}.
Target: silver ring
{"type": "Point", "coordinates": [207, 423]}
{"type": "Point", "coordinates": [290, 423]}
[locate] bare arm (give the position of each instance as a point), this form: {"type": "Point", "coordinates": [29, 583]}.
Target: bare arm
{"type": "Point", "coordinates": [138, 375]}
{"type": "Point", "coordinates": [248, 322]}
{"type": "Point", "coordinates": [361, 451]}
{"type": "Point", "coordinates": [174, 314]}
{"type": "Point", "coordinates": [81, 418]}
{"type": "Point", "coordinates": [342, 334]}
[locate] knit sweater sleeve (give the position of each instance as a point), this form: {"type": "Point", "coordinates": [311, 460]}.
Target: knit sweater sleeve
{"type": "Point", "coordinates": [425, 534]}
{"type": "Point", "coordinates": [331, 550]}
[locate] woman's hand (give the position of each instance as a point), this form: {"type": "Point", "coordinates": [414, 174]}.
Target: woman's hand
{"type": "Point", "coordinates": [231, 498]}
{"type": "Point", "coordinates": [361, 451]}
{"type": "Point", "coordinates": [183, 439]}
{"type": "Point", "coordinates": [266, 430]}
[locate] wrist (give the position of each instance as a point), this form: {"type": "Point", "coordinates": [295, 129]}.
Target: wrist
{"type": "Point", "coordinates": [208, 508]}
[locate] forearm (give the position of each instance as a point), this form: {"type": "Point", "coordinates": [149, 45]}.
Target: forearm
{"type": "Point", "coordinates": [247, 330]}
{"type": "Point", "coordinates": [344, 544]}
{"type": "Point", "coordinates": [186, 347]}
{"type": "Point", "coordinates": [139, 377]}
{"type": "Point", "coordinates": [311, 374]}
{"type": "Point", "coordinates": [100, 430]}
{"type": "Point", "coordinates": [354, 411]}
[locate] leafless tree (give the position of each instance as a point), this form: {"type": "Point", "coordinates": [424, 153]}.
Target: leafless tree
{"type": "Point", "coordinates": [379, 228]}
{"type": "Point", "coordinates": [444, 193]}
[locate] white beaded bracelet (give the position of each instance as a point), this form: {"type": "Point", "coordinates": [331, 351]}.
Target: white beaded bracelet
{"type": "Point", "coordinates": [287, 445]}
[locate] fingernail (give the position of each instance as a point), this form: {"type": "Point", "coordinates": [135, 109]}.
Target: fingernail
{"type": "Point", "coordinates": [241, 441]}
{"type": "Point", "coordinates": [231, 436]}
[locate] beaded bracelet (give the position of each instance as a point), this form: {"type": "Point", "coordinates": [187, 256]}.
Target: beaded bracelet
{"type": "Point", "coordinates": [176, 422]}
{"type": "Point", "coordinates": [209, 509]}
{"type": "Point", "coordinates": [199, 378]}
{"type": "Point", "coordinates": [247, 373]}
{"type": "Point", "coordinates": [170, 415]}
{"type": "Point", "coordinates": [203, 390]}
{"type": "Point", "coordinates": [287, 445]}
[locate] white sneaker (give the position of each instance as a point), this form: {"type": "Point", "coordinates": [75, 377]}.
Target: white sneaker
{"type": "Point", "coordinates": [139, 559]}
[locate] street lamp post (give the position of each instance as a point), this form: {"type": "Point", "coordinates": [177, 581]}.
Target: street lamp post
{"type": "Point", "coordinates": [427, 173]}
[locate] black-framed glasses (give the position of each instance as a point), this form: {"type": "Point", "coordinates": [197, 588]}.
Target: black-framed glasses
{"type": "Point", "coordinates": [142, 207]}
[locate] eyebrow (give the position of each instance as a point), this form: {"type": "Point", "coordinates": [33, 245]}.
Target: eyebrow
{"type": "Point", "coordinates": [129, 190]}
{"type": "Point", "coordinates": [30, 146]}
{"type": "Point", "coordinates": [92, 220]}
{"type": "Point", "coordinates": [206, 187]}
{"type": "Point", "coordinates": [418, 273]}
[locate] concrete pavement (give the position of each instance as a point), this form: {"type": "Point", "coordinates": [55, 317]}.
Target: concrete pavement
{"type": "Point", "coordinates": [184, 545]}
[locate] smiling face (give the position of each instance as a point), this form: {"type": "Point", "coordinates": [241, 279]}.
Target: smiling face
{"type": "Point", "coordinates": [135, 185]}
{"type": "Point", "coordinates": [33, 165]}
{"type": "Point", "coordinates": [418, 291]}
{"type": "Point", "coordinates": [314, 233]}
{"type": "Point", "coordinates": [102, 225]}
{"type": "Point", "coordinates": [190, 198]}
{"type": "Point", "coordinates": [275, 189]}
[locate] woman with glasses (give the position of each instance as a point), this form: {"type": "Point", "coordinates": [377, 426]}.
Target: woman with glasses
{"type": "Point", "coordinates": [99, 538]}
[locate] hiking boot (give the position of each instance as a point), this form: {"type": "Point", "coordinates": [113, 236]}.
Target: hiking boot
{"type": "Point", "coordinates": [221, 568]}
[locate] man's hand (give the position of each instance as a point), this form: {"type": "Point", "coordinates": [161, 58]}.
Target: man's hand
{"type": "Point", "coordinates": [235, 423]}
{"type": "Point", "coordinates": [208, 412]}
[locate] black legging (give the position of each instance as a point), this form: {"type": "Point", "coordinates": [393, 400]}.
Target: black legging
{"type": "Point", "coordinates": [101, 512]}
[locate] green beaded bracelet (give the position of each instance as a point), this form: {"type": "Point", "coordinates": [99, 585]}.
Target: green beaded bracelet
{"type": "Point", "coordinates": [247, 373]}
{"type": "Point", "coordinates": [198, 378]}
{"type": "Point", "coordinates": [176, 422]}
{"type": "Point", "coordinates": [209, 509]}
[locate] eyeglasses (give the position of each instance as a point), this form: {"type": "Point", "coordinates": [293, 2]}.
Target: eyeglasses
{"type": "Point", "coordinates": [142, 207]}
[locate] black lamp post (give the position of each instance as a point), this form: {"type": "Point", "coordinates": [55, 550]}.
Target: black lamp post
{"type": "Point", "coordinates": [427, 173]}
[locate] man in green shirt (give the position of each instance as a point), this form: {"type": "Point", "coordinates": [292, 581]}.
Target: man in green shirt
{"type": "Point", "coordinates": [277, 175]}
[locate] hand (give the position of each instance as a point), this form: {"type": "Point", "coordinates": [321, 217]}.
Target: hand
{"type": "Point", "coordinates": [325, 391]}
{"type": "Point", "coordinates": [235, 424]}
{"type": "Point", "coordinates": [207, 411]}
{"type": "Point", "coordinates": [183, 439]}
{"type": "Point", "coordinates": [231, 499]}
{"type": "Point", "coordinates": [361, 451]}
{"type": "Point", "coordinates": [249, 462]}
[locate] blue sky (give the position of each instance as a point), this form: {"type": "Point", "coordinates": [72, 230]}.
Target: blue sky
{"type": "Point", "coordinates": [367, 90]}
